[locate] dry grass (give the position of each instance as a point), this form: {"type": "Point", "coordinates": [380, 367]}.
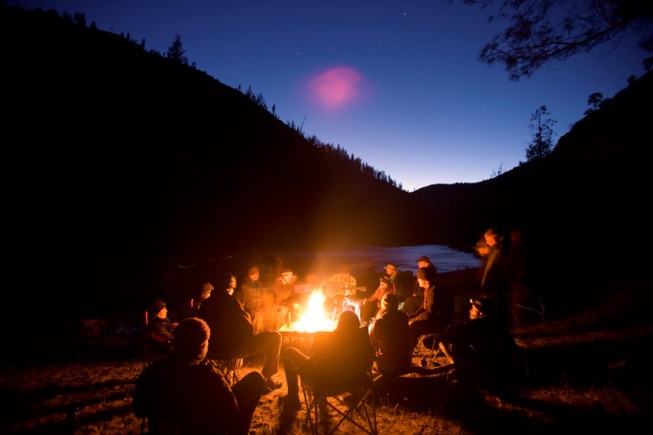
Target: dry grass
{"type": "Point", "coordinates": [585, 374]}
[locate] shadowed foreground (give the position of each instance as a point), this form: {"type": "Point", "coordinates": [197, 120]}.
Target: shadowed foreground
{"type": "Point", "coordinates": [585, 374]}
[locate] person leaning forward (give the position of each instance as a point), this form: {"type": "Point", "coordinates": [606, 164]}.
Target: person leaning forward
{"type": "Point", "coordinates": [232, 332]}
{"type": "Point", "coordinates": [186, 394]}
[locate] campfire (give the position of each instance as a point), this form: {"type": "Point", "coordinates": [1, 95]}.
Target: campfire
{"type": "Point", "coordinates": [314, 317]}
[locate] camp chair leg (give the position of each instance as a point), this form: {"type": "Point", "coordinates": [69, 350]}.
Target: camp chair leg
{"type": "Point", "coordinates": [360, 394]}
{"type": "Point", "coordinates": [445, 351]}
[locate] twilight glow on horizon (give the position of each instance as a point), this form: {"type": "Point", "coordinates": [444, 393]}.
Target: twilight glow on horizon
{"type": "Point", "coordinates": [396, 83]}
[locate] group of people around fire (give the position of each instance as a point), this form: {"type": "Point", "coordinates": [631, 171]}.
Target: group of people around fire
{"type": "Point", "coordinates": [375, 336]}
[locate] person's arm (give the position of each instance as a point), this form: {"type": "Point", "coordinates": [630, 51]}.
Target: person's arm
{"type": "Point", "coordinates": [226, 413]}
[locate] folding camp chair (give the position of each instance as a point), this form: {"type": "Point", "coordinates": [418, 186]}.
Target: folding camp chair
{"type": "Point", "coordinates": [355, 403]}
{"type": "Point", "coordinates": [436, 347]}
{"type": "Point", "coordinates": [227, 365]}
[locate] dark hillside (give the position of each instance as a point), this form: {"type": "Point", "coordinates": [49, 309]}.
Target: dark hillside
{"type": "Point", "coordinates": [120, 163]}
{"type": "Point", "coordinates": [584, 207]}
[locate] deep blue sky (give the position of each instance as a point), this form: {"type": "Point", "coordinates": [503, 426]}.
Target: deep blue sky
{"type": "Point", "coordinates": [396, 83]}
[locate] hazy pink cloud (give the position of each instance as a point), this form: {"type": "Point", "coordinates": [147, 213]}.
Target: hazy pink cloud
{"type": "Point", "coordinates": [335, 87]}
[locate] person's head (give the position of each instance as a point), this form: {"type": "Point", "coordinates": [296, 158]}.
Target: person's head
{"type": "Point", "coordinates": [423, 261]}
{"type": "Point", "coordinates": [390, 269]}
{"type": "Point", "coordinates": [425, 277]}
{"type": "Point", "coordinates": [192, 339]}
{"type": "Point", "coordinates": [491, 237]}
{"type": "Point", "coordinates": [482, 247]}
{"type": "Point", "coordinates": [389, 302]}
{"type": "Point", "coordinates": [159, 309]}
{"type": "Point", "coordinates": [227, 283]}
{"type": "Point", "coordinates": [516, 234]}
{"type": "Point", "coordinates": [287, 275]}
{"type": "Point", "coordinates": [253, 273]}
{"type": "Point", "coordinates": [481, 307]}
{"type": "Point", "coordinates": [348, 321]}
{"type": "Point", "coordinates": [384, 283]}
{"type": "Point", "coordinates": [207, 288]}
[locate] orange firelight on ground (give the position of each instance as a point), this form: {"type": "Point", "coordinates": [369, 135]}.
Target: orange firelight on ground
{"type": "Point", "coordinates": [315, 318]}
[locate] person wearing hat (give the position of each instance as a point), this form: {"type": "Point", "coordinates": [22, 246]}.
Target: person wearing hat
{"type": "Point", "coordinates": [196, 303]}
{"type": "Point", "coordinates": [437, 310]}
{"type": "Point", "coordinates": [160, 330]}
{"type": "Point", "coordinates": [486, 356]}
{"type": "Point", "coordinates": [415, 299]}
{"type": "Point", "coordinates": [251, 295]}
{"type": "Point", "coordinates": [390, 337]}
{"type": "Point", "coordinates": [186, 394]}
{"type": "Point", "coordinates": [286, 301]}
{"type": "Point", "coordinates": [370, 306]}
{"type": "Point", "coordinates": [232, 332]}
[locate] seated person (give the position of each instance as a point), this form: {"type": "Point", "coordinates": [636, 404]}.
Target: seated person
{"type": "Point", "coordinates": [286, 301]}
{"type": "Point", "coordinates": [485, 354]}
{"type": "Point", "coordinates": [340, 358]}
{"type": "Point", "coordinates": [251, 295]}
{"type": "Point", "coordinates": [232, 332]}
{"type": "Point", "coordinates": [369, 306]}
{"type": "Point", "coordinates": [415, 297]}
{"type": "Point", "coordinates": [185, 394]}
{"type": "Point", "coordinates": [390, 337]}
{"type": "Point", "coordinates": [437, 310]}
{"type": "Point", "coordinates": [207, 288]}
{"type": "Point", "coordinates": [337, 286]}
{"type": "Point", "coordinates": [160, 330]}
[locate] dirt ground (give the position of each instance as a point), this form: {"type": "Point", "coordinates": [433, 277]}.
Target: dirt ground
{"type": "Point", "coordinates": [585, 376]}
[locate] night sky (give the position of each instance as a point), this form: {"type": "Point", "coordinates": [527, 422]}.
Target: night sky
{"type": "Point", "coordinates": [397, 84]}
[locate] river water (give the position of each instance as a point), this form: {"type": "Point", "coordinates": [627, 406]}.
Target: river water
{"type": "Point", "coordinates": [445, 258]}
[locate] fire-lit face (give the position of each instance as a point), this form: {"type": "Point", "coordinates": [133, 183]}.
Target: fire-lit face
{"type": "Point", "coordinates": [474, 313]}
{"type": "Point", "coordinates": [163, 313]}
{"type": "Point", "coordinates": [490, 239]}
{"type": "Point", "coordinates": [286, 277]}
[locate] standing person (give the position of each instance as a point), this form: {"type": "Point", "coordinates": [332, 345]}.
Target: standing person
{"type": "Point", "coordinates": [186, 394]}
{"type": "Point", "coordinates": [160, 330]}
{"type": "Point", "coordinates": [391, 339]}
{"type": "Point", "coordinates": [233, 335]}
{"type": "Point", "coordinates": [416, 298]}
{"type": "Point", "coordinates": [340, 358]}
{"type": "Point", "coordinates": [485, 355]}
{"type": "Point", "coordinates": [494, 280]}
{"type": "Point", "coordinates": [525, 303]}
{"type": "Point", "coordinates": [437, 310]}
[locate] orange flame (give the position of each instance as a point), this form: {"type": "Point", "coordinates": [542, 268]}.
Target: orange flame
{"type": "Point", "coordinates": [315, 318]}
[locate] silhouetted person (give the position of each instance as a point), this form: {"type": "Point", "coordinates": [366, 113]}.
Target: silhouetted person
{"type": "Point", "coordinates": [486, 357]}
{"type": "Point", "coordinates": [232, 332]}
{"type": "Point", "coordinates": [494, 279]}
{"type": "Point", "coordinates": [186, 394]}
{"type": "Point", "coordinates": [340, 358]}
{"type": "Point", "coordinates": [390, 338]}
